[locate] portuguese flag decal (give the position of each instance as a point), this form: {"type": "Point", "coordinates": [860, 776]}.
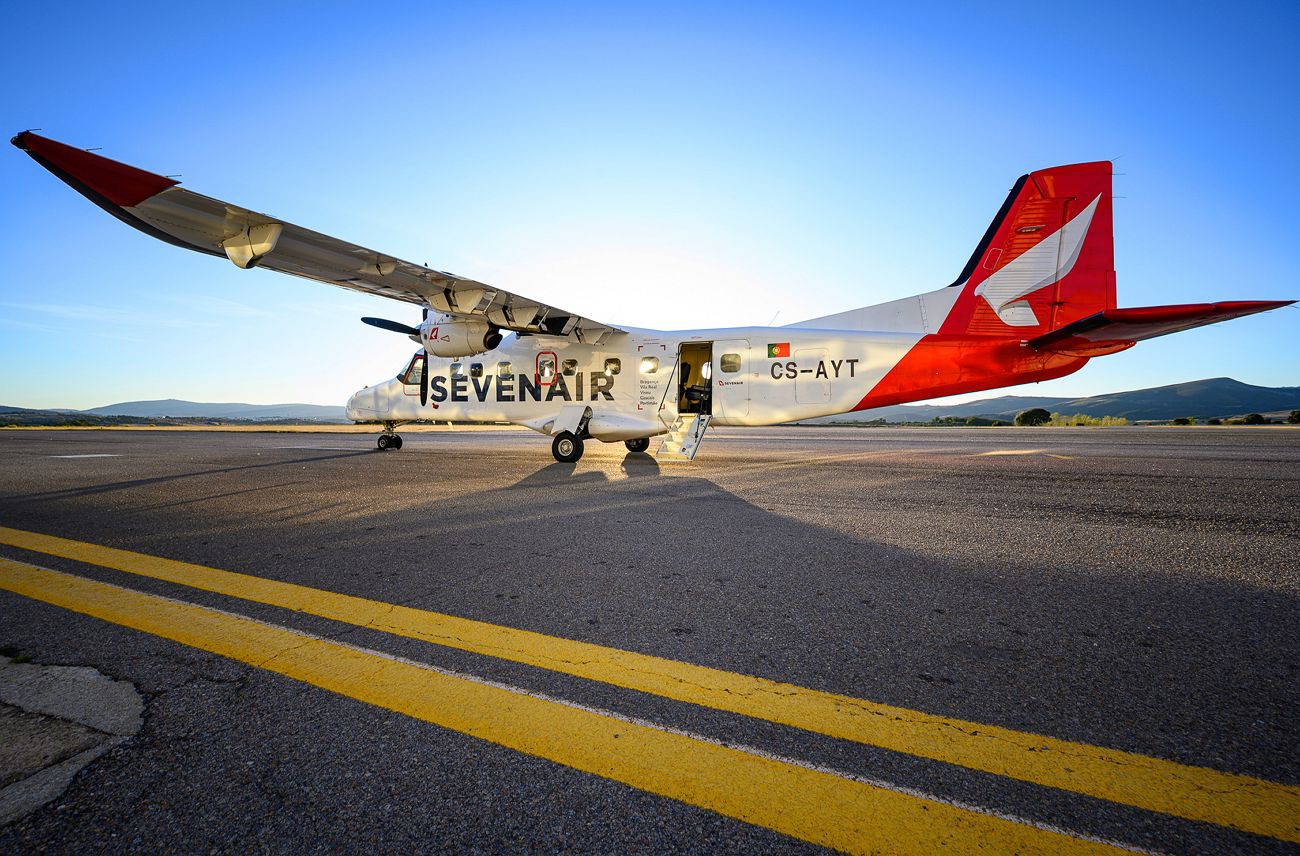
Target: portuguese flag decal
{"type": "Point", "coordinates": [778, 349]}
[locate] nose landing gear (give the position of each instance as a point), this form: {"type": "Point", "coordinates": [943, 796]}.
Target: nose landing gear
{"type": "Point", "coordinates": [389, 440]}
{"type": "Point", "coordinates": [638, 445]}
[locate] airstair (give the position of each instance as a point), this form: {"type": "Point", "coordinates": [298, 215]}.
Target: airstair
{"type": "Point", "coordinates": [684, 437]}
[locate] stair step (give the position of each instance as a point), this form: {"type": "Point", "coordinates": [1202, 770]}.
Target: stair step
{"type": "Point", "coordinates": [684, 437]}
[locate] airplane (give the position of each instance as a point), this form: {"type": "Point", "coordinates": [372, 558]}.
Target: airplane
{"type": "Point", "coordinates": [1034, 302]}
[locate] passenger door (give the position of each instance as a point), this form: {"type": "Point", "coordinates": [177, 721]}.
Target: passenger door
{"type": "Point", "coordinates": [731, 378]}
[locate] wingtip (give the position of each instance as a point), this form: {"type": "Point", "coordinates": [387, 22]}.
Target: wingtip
{"type": "Point", "coordinates": [118, 183]}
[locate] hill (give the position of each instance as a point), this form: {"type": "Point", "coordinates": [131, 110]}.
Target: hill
{"type": "Point", "coordinates": [195, 409]}
{"type": "Point", "coordinates": [1212, 397]}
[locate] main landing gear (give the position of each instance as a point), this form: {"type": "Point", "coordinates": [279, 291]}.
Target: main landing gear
{"type": "Point", "coordinates": [566, 447]}
{"type": "Point", "coordinates": [389, 439]}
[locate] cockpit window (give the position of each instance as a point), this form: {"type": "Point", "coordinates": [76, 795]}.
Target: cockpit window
{"type": "Point", "coordinates": [414, 371]}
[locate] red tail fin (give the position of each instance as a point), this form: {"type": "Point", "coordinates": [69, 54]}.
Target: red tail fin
{"type": "Point", "coordinates": [1047, 259]}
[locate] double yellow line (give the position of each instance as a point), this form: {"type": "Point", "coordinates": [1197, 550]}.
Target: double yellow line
{"type": "Point", "coordinates": [814, 805]}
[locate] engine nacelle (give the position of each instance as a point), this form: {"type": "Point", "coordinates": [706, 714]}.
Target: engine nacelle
{"type": "Point", "coordinates": [448, 336]}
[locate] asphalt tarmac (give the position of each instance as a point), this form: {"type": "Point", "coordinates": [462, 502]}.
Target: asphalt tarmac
{"type": "Point", "coordinates": [1125, 595]}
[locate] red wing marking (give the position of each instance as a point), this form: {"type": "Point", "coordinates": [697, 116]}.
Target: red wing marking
{"type": "Point", "coordinates": [119, 183]}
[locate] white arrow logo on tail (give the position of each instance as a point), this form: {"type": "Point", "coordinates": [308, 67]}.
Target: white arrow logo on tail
{"type": "Point", "coordinates": [1043, 264]}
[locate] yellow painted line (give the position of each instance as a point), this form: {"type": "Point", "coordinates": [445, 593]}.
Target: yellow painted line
{"type": "Point", "coordinates": [1195, 793]}
{"type": "Point", "coordinates": [1008, 452]}
{"type": "Point", "coordinates": [799, 801]}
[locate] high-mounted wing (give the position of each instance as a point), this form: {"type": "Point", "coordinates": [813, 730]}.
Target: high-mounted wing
{"type": "Point", "coordinates": [158, 206]}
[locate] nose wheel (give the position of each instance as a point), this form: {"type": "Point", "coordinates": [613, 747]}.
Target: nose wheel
{"type": "Point", "coordinates": [638, 445]}
{"type": "Point", "coordinates": [389, 441]}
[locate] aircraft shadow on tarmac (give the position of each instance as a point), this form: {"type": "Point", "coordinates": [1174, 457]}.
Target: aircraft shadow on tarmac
{"type": "Point", "coordinates": [633, 466]}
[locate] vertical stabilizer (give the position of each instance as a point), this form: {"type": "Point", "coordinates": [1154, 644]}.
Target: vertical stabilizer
{"type": "Point", "coordinates": [1046, 260]}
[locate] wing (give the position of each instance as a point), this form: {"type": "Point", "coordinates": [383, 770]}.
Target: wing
{"type": "Point", "coordinates": [159, 207]}
{"type": "Point", "coordinates": [1116, 329]}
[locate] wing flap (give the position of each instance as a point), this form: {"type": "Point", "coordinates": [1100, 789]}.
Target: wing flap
{"type": "Point", "coordinates": [158, 206]}
{"type": "Point", "coordinates": [1116, 329]}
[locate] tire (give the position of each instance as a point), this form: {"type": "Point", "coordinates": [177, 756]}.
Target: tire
{"type": "Point", "coordinates": [638, 445]}
{"type": "Point", "coordinates": [566, 447]}
{"type": "Point", "coordinates": [383, 442]}
{"type": "Point", "coordinates": [395, 443]}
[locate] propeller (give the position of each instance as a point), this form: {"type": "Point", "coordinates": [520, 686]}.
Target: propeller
{"type": "Point", "coordinates": [394, 326]}
{"type": "Point", "coordinates": [398, 327]}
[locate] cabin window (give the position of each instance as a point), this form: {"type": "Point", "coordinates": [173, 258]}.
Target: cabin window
{"type": "Point", "coordinates": [613, 366]}
{"type": "Point", "coordinates": [569, 368]}
{"type": "Point", "coordinates": [649, 365]}
{"type": "Point", "coordinates": [457, 370]}
{"type": "Point", "coordinates": [546, 368]}
{"type": "Point", "coordinates": [730, 363]}
{"type": "Point", "coordinates": [505, 370]}
{"type": "Point", "coordinates": [476, 370]}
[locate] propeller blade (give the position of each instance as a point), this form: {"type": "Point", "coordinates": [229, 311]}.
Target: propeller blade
{"type": "Point", "coordinates": [424, 380]}
{"type": "Point", "coordinates": [394, 326]}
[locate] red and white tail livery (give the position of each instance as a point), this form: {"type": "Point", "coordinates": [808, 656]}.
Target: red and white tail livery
{"type": "Point", "coordinates": [1035, 301]}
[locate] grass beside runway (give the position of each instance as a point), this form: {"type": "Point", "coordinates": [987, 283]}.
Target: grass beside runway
{"type": "Point", "coordinates": [1194, 793]}
{"type": "Point", "coordinates": [809, 804]}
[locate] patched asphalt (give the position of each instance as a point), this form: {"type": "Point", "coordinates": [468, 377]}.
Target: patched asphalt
{"type": "Point", "coordinates": [1129, 588]}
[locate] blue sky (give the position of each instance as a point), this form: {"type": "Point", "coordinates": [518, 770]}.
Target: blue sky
{"type": "Point", "coordinates": [653, 165]}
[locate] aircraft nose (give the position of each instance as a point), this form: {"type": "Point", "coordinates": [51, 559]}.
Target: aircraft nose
{"type": "Point", "coordinates": [361, 406]}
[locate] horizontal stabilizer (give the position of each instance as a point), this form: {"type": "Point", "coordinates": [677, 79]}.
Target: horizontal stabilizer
{"type": "Point", "coordinates": [1116, 329]}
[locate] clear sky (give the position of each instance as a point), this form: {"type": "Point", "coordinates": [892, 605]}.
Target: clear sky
{"type": "Point", "coordinates": [652, 165]}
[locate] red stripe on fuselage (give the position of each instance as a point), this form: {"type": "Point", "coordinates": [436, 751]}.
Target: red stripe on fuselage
{"type": "Point", "coordinates": [940, 365]}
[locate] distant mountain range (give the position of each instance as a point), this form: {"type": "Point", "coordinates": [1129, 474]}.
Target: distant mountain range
{"type": "Point", "coordinates": [1214, 397]}
{"type": "Point", "coordinates": [176, 407]}
{"type": "Point", "coordinates": [136, 412]}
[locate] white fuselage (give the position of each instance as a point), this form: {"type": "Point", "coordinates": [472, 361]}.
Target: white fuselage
{"type": "Point", "coordinates": [632, 381]}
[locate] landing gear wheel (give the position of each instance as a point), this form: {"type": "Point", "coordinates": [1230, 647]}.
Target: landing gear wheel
{"type": "Point", "coordinates": [638, 445]}
{"type": "Point", "coordinates": [389, 441]}
{"type": "Point", "coordinates": [566, 447]}
{"type": "Point", "coordinates": [395, 442]}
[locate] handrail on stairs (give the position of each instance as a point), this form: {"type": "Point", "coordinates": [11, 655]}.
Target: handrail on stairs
{"type": "Point", "coordinates": [663, 398]}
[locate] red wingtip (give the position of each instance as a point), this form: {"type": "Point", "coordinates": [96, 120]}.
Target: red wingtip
{"type": "Point", "coordinates": [90, 173]}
